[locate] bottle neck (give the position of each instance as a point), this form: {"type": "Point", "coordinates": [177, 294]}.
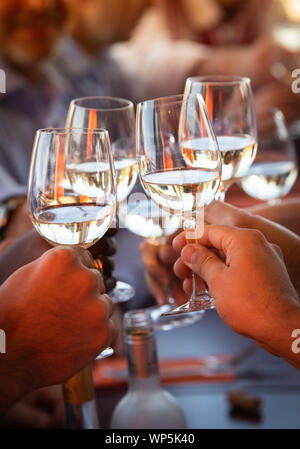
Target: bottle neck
{"type": "Point", "coordinates": [142, 361]}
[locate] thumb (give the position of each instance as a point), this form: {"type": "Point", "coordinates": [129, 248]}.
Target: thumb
{"type": "Point", "coordinates": [203, 261]}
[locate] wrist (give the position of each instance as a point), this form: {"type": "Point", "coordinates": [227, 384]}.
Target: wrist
{"type": "Point", "coordinates": [279, 335]}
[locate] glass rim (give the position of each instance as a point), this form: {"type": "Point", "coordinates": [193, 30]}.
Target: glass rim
{"type": "Point", "coordinates": [123, 103]}
{"type": "Point", "coordinates": [217, 80]}
{"type": "Point", "coordinates": [170, 99]}
{"type": "Point", "coordinates": [62, 131]}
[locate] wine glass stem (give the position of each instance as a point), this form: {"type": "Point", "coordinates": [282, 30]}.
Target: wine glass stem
{"type": "Point", "coordinates": [189, 226]}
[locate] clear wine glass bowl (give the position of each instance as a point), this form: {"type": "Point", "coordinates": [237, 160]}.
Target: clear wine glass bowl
{"type": "Point", "coordinates": [275, 169]}
{"type": "Point", "coordinates": [117, 116]}
{"type": "Point", "coordinates": [229, 101]}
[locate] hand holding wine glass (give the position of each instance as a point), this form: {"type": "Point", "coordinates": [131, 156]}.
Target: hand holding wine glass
{"type": "Point", "coordinates": [145, 219]}
{"type": "Point", "coordinates": [57, 302]}
{"type": "Point", "coordinates": [171, 133]}
{"type": "Point", "coordinates": [288, 241]}
{"type": "Point", "coordinates": [257, 303]}
{"type": "Point", "coordinates": [63, 216]}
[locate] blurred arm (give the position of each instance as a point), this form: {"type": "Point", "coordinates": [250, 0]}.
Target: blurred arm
{"type": "Point", "coordinates": [286, 213]}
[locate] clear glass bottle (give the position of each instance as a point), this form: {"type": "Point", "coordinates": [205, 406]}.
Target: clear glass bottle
{"type": "Point", "coordinates": [146, 405]}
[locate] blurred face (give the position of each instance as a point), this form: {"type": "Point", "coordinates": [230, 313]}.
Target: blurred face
{"type": "Point", "coordinates": [107, 21]}
{"type": "Point", "coordinates": [229, 4]}
{"type": "Point", "coordinates": [30, 28]}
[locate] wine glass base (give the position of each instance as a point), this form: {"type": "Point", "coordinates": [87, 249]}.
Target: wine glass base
{"type": "Point", "coordinates": [166, 323]}
{"type": "Point", "coordinates": [197, 305]}
{"type": "Point", "coordinates": [108, 352]}
{"type": "Point", "coordinates": [122, 292]}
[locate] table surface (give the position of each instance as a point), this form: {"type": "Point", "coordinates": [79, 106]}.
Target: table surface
{"type": "Point", "coordinates": [205, 405]}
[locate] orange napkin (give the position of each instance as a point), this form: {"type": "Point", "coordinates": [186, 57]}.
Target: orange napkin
{"type": "Point", "coordinates": [112, 372]}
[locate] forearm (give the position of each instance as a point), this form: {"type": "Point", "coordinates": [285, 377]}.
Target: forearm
{"type": "Point", "coordinates": [286, 213]}
{"type": "Point", "coordinates": [288, 241]}
{"type": "Point", "coordinates": [236, 61]}
{"type": "Point", "coordinates": [283, 337]}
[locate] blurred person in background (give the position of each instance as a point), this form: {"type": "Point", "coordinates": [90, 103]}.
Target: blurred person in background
{"type": "Point", "coordinates": [36, 97]}
{"type": "Point", "coordinates": [180, 38]}
{"type": "Point", "coordinates": [29, 31]}
{"type": "Point", "coordinates": [83, 56]}
{"type": "Point", "coordinates": [44, 73]}
{"type": "Point", "coordinates": [84, 60]}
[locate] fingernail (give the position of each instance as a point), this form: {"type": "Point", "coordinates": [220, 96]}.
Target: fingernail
{"type": "Point", "coordinates": [188, 254]}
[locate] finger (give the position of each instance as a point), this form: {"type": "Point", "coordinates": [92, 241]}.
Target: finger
{"type": "Point", "coordinates": [227, 239]}
{"type": "Point", "coordinates": [109, 304]}
{"type": "Point", "coordinates": [179, 242]}
{"type": "Point", "coordinates": [277, 249]}
{"type": "Point", "coordinates": [219, 212]}
{"type": "Point", "coordinates": [181, 270]}
{"type": "Point", "coordinates": [104, 247]}
{"type": "Point", "coordinates": [204, 262]}
{"type": "Point", "coordinates": [177, 292]}
{"type": "Point", "coordinates": [171, 237]}
{"type": "Point", "coordinates": [167, 255]}
{"type": "Point", "coordinates": [99, 280]}
{"type": "Point", "coordinates": [188, 286]}
{"type": "Point", "coordinates": [84, 257]}
{"type": "Point", "coordinates": [110, 283]}
{"type": "Point", "coordinates": [156, 290]}
{"type": "Point", "coordinates": [151, 263]}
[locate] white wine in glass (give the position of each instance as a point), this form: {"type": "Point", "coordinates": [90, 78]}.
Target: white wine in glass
{"type": "Point", "coordinates": [63, 217]}
{"type": "Point", "coordinates": [275, 169]}
{"type": "Point", "coordinates": [164, 126]}
{"type": "Point", "coordinates": [230, 104]}
{"type": "Point", "coordinates": [85, 177]}
{"type": "Point", "coordinates": [117, 116]}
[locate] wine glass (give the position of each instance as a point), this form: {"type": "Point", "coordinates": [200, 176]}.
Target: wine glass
{"type": "Point", "coordinates": [144, 218]}
{"type": "Point", "coordinates": [171, 133]}
{"type": "Point", "coordinates": [116, 115]}
{"type": "Point", "coordinates": [275, 170]}
{"type": "Point", "coordinates": [230, 104]}
{"type": "Point", "coordinates": [64, 217]}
